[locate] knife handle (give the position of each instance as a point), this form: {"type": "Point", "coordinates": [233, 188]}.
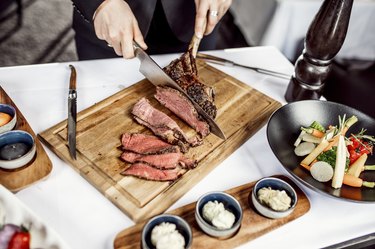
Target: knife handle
{"type": "Point", "coordinates": [73, 77]}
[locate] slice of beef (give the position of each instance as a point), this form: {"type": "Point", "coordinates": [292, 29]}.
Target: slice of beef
{"type": "Point", "coordinates": [161, 124]}
{"type": "Point", "coordinates": [145, 171]}
{"type": "Point", "coordinates": [146, 144]}
{"type": "Point", "coordinates": [177, 103]}
{"type": "Point", "coordinates": [184, 71]}
{"type": "Point", "coordinates": [163, 161]}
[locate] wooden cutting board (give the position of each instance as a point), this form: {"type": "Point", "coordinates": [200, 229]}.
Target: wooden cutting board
{"type": "Point", "coordinates": [242, 110]}
{"type": "Point", "coordinates": [36, 170]}
{"type": "Point", "coordinates": [253, 224]}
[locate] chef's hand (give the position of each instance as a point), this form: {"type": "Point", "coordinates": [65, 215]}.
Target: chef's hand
{"type": "Point", "coordinates": [115, 23]}
{"type": "Point", "coordinates": [209, 13]}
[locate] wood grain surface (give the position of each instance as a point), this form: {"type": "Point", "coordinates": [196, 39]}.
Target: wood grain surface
{"type": "Point", "coordinates": [241, 112]}
{"type": "Point", "coordinates": [36, 170]}
{"type": "Point", "coordinates": [253, 224]}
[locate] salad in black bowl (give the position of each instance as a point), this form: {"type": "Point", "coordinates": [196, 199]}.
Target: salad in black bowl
{"type": "Point", "coordinates": [327, 146]}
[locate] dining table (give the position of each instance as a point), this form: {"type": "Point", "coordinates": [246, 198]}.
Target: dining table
{"type": "Point", "coordinates": [85, 218]}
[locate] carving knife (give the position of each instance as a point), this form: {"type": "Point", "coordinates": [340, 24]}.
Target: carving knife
{"type": "Point", "coordinates": [155, 74]}
{"type": "Point", "coordinates": [72, 113]}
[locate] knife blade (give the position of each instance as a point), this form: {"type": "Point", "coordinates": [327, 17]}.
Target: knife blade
{"type": "Point", "coordinates": [225, 62]}
{"type": "Point", "coordinates": [72, 113]}
{"type": "Point", "coordinates": [155, 74]}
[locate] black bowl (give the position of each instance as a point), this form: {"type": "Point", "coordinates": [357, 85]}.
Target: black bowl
{"type": "Point", "coordinates": [283, 129]}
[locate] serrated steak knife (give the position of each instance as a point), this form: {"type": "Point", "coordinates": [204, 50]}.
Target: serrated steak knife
{"type": "Point", "coordinates": [72, 113]}
{"type": "Point", "coordinates": [155, 74]}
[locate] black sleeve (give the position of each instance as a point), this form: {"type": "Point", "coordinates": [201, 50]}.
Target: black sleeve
{"type": "Point", "coordinates": [86, 8]}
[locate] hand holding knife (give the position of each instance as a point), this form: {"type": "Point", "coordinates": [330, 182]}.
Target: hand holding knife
{"type": "Point", "coordinates": [155, 74]}
{"type": "Point", "coordinates": [72, 113]}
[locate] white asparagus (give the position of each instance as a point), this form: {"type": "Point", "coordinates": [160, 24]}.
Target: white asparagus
{"type": "Point", "coordinates": [338, 175]}
{"type": "Point", "coordinates": [319, 149]}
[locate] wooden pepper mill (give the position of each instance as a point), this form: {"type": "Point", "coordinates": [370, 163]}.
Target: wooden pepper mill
{"type": "Point", "coordinates": [323, 41]}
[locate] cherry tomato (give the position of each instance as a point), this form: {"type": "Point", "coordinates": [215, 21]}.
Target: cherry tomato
{"type": "Point", "coordinates": [354, 143]}
{"type": "Point", "coordinates": [353, 156]}
{"type": "Point", "coordinates": [20, 240]}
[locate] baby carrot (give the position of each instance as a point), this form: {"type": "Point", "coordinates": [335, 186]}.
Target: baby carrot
{"type": "Point", "coordinates": [353, 181]}
{"type": "Point", "coordinates": [314, 132]}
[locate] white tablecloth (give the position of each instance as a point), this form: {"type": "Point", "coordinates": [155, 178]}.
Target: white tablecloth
{"type": "Point", "coordinates": [86, 219]}
{"type": "Point", "coordinates": [292, 18]}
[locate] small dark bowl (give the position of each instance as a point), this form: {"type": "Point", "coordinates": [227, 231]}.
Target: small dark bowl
{"type": "Point", "coordinates": [276, 184]}
{"type": "Point", "coordinates": [230, 203]}
{"type": "Point", "coordinates": [181, 225]}
{"type": "Point", "coordinates": [17, 136]}
{"type": "Point", "coordinates": [284, 127]}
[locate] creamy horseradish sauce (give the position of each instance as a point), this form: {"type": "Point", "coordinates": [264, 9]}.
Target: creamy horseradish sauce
{"type": "Point", "coordinates": [165, 236]}
{"type": "Point", "coordinates": [214, 212]}
{"type": "Point", "coordinates": [275, 199]}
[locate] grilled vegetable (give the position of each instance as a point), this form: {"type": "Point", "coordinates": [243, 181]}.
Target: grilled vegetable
{"type": "Point", "coordinates": [339, 172]}
{"type": "Point", "coordinates": [311, 157]}
{"type": "Point", "coordinates": [304, 149]}
{"type": "Point", "coordinates": [316, 125]}
{"type": "Point", "coordinates": [356, 168]}
{"type": "Point", "coordinates": [321, 171]}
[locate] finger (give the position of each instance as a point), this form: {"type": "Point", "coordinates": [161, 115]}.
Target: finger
{"type": "Point", "coordinates": [117, 47]}
{"type": "Point", "coordinates": [201, 18]}
{"type": "Point", "coordinates": [224, 8]}
{"type": "Point", "coordinates": [213, 17]}
{"type": "Point", "coordinates": [114, 40]}
{"type": "Point", "coordinates": [127, 45]}
{"type": "Point", "coordinates": [138, 37]}
{"type": "Point", "coordinates": [99, 32]}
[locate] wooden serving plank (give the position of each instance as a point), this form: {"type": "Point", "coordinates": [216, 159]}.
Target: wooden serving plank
{"type": "Point", "coordinates": [241, 112]}
{"type": "Point", "coordinates": [37, 169]}
{"type": "Point", "coordinates": [253, 224]}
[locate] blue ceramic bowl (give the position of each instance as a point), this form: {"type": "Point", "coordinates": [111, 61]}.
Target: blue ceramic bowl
{"type": "Point", "coordinates": [181, 225]}
{"type": "Point", "coordinates": [17, 136]}
{"type": "Point", "coordinates": [276, 184]}
{"type": "Point", "coordinates": [12, 112]}
{"type": "Point", "coordinates": [230, 204]}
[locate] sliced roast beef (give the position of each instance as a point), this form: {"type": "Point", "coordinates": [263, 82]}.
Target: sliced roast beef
{"type": "Point", "coordinates": [146, 144]}
{"type": "Point", "coordinates": [162, 161]}
{"type": "Point", "coordinates": [177, 103]}
{"type": "Point", "coordinates": [184, 72]}
{"type": "Point", "coordinates": [161, 124]}
{"type": "Point", "coordinates": [145, 171]}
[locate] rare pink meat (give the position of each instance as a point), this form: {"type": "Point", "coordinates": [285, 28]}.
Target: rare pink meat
{"type": "Point", "coordinates": [177, 103]}
{"type": "Point", "coordinates": [145, 171]}
{"type": "Point", "coordinates": [161, 124]}
{"type": "Point", "coordinates": [162, 161]}
{"type": "Point", "coordinates": [146, 144]}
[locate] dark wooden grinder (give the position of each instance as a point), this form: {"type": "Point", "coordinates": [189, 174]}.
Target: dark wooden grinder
{"type": "Point", "coordinates": [323, 41]}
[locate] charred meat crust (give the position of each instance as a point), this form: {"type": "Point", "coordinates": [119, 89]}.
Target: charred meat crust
{"type": "Point", "coordinates": [184, 72]}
